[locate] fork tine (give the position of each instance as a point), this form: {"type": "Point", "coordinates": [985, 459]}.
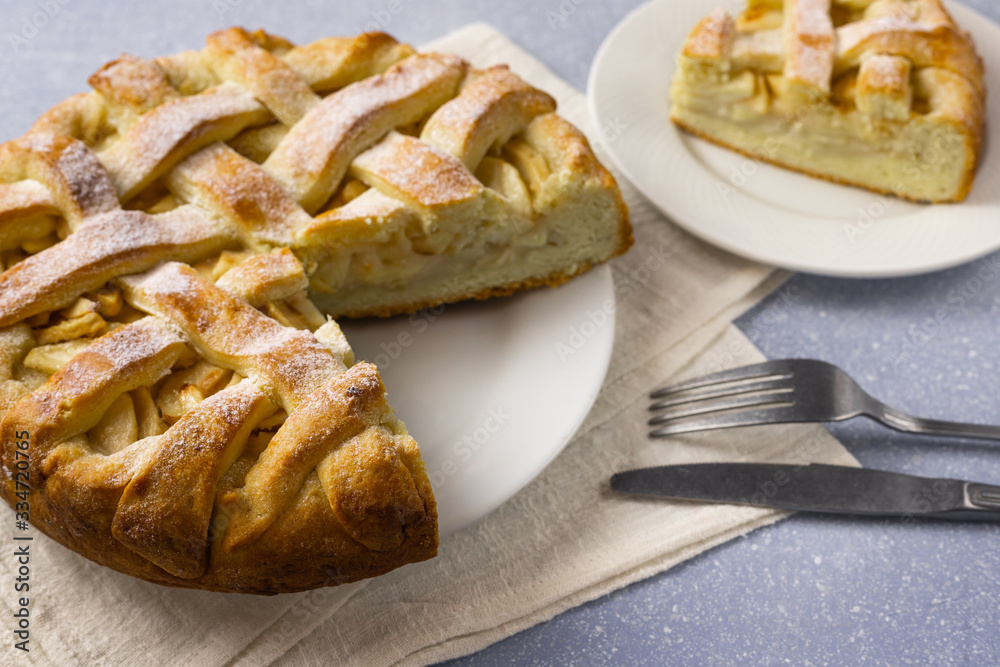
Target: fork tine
{"type": "Point", "coordinates": [775, 415]}
{"type": "Point", "coordinates": [716, 391]}
{"type": "Point", "coordinates": [782, 397]}
{"type": "Point", "coordinates": [752, 372]}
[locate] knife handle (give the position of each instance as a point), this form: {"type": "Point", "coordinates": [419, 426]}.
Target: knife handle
{"type": "Point", "coordinates": [983, 496]}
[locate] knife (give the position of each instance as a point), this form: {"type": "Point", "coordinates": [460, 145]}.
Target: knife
{"type": "Point", "coordinates": [816, 488]}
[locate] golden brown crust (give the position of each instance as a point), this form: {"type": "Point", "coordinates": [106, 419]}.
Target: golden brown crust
{"type": "Point", "coordinates": [220, 436]}
{"type": "Point", "coordinates": [166, 508]}
{"type": "Point", "coordinates": [493, 106]}
{"type": "Point", "coordinates": [109, 245]}
{"type": "Point", "coordinates": [313, 158]}
{"type": "Point", "coordinates": [931, 39]}
{"type": "Point", "coordinates": [287, 364]}
{"type": "Point", "coordinates": [148, 509]}
{"type": "Point", "coordinates": [340, 431]}
{"type": "Point", "coordinates": [712, 37]}
{"type": "Point", "coordinates": [235, 56]}
{"type": "Point", "coordinates": [134, 84]}
{"type": "Point", "coordinates": [809, 46]}
{"type": "Point", "coordinates": [568, 146]}
{"type": "Point", "coordinates": [370, 217]}
{"type": "Point", "coordinates": [65, 165]}
{"type": "Point", "coordinates": [223, 181]}
{"type": "Point", "coordinates": [20, 203]}
{"type": "Point", "coordinates": [266, 278]}
{"type": "Point", "coordinates": [335, 62]}
{"type": "Point", "coordinates": [410, 170]}
{"type": "Point", "coordinates": [888, 67]}
{"type": "Point", "coordinates": [172, 131]}
{"type": "Point", "coordinates": [81, 116]}
{"type": "Point", "coordinates": [307, 547]}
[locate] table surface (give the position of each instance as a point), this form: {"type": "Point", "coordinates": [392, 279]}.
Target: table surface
{"type": "Point", "coordinates": [808, 590]}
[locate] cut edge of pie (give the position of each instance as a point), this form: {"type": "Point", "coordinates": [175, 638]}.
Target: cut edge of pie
{"type": "Point", "coordinates": [192, 418]}
{"type": "Point", "coordinates": [887, 95]}
{"type": "Point", "coordinates": [578, 220]}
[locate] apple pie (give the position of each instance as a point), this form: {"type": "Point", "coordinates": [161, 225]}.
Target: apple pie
{"type": "Point", "coordinates": [882, 94]}
{"type": "Point", "coordinates": [176, 402]}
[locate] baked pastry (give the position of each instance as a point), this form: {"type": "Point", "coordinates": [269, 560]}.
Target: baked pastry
{"type": "Point", "coordinates": [882, 94]}
{"type": "Point", "coordinates": [174, 405]}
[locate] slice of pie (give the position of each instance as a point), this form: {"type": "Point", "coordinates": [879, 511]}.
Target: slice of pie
{"type": "Point", "coordinates": [882, 94]}
{"type": "Point", "coordinates": [174, 404]}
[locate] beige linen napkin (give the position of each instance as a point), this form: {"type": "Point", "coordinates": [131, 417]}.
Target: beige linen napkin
{"type": "Point", "coordinates": [563, 540]}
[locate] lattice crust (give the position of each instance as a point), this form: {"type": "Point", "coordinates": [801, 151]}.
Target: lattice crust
{"type": "Point", "coordinates": [194, 419]}
{"type": "Point", "coordinates": [166, 480]}
{"type": "Point", "coordinates": [882, 72]}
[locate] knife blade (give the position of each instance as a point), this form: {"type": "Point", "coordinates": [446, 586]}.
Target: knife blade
{"type": "Point", "coordinates": [816, 488]}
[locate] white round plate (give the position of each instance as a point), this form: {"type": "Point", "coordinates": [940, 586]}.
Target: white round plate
{"type": "Point", "coordinates": [493, 390]}
{"type": "Point", "coordinates": [768, 214]}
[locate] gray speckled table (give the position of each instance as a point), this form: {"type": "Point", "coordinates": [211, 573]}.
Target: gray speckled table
{"type": "Point", "coordinates": [806, 591]}
{"type": "Point", "coordinates": [827, 591]}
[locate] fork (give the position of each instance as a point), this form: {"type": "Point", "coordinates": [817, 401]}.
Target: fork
{"type": "Point", "coordinates": [782, 392]}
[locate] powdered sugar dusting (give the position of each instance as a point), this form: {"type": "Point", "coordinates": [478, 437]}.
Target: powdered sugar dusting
{"type": "Point", "coordinates": [811, 47]}
{"type": "Point", "coordinates": [231, 185]}
{"type": "Point", "coordinates": [130, 344]}
{"type": "Point", "coordinates": [419, 172]}
{"type": "Point", "coordinates": [287, 363]}
{"type": "Point", "coordinates": [336, 412]}
{"type": "Point", "coordinates": [109, 245]}
{"type": "Point", "coordinates": [885, 73]}
{"type": "Point", "coordinates": [712, 36]}
{"type": "Point", "coordinates": [494, 105]}
{"type": "Point", "coordinates": [170, 132]}
{"type": "Point", "coordinates": [24, 198]}
{"type": "Point", "coordinates": [75, 178]}
{"type": "Point", "coordinates": [265, 278]}
{"type": "Point", "coordinates": [314, 156]}
{"type": "Point", "coordinates": [273, 82]}
{"type": "Point", "coordinates": [111, 365]}
{"type": "Point", "coordinates": [86, 181]}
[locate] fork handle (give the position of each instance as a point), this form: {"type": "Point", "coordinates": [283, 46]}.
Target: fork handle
{"type": "Point", "coordinates": [907, 423]}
